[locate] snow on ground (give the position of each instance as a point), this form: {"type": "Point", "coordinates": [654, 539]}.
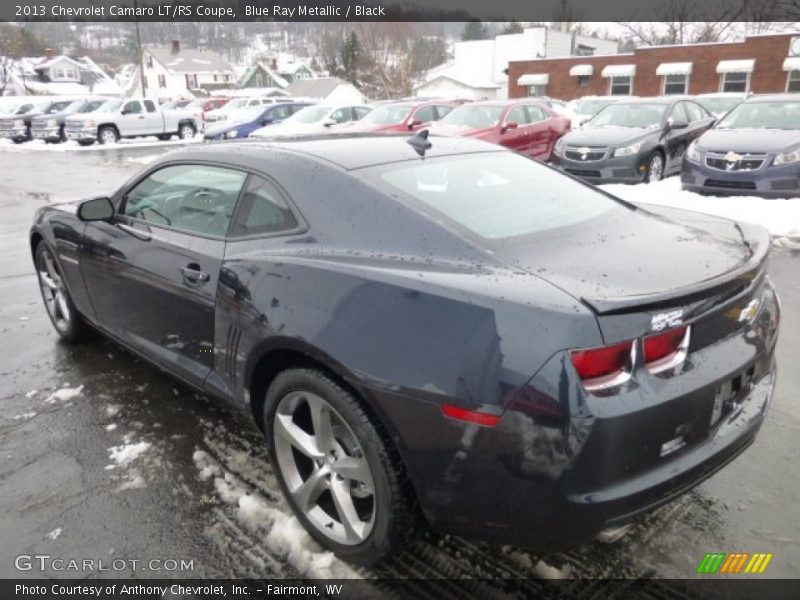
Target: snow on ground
{"type": "Point", "coordinates": [780, 216]}
{"type": "Point", "coordinates": [272, 522]}
{"type": "Point", "coordinates": [125, 454]}
{"type": "Point", "coordinates": [73, 146]}
{"type": "Point", "coordinates": [63, 394]}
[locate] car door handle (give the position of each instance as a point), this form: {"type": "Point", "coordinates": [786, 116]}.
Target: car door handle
{"type": "Point", "coordinates": [193, 275]}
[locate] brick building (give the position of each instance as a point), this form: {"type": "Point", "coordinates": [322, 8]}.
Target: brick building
{"type": "Point", "coordinates": [759, 64]}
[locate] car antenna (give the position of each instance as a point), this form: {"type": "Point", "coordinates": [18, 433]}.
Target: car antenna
{"type": "Point", "coordinates": [419, 142]}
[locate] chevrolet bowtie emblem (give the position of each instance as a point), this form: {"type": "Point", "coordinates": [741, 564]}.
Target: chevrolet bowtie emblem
{"type": "Point", "coordinates": [583, 151]}
{"type": "Point", "coordinates": [733, 157]}
{"type": "Point", "coordinates": [750, 311]}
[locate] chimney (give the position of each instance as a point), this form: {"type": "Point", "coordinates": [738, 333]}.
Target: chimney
{"type": "Point", "coordinates": [176, 46]}
{"type": "Point", "coordinates": [48, 53]}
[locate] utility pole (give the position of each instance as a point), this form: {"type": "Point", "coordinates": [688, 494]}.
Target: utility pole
{"type": "Point", "coordinates": [140, 54]}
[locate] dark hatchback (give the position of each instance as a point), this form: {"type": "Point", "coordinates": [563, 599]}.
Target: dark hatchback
{"type": "Point", "coordinates": [633, 141]}
{"type": "Point", "coordinates": [754, 150]}
{"type": "Point", "coordinates": [422, 343]}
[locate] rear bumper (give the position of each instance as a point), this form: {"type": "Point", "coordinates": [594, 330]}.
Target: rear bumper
{"type": "Point", "coordinates": [769, 182]}
{"type": "Point", "coordinates": [563, 465]}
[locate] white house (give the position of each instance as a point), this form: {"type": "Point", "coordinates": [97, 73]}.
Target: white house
{"type": "Point", "coordinates": [327, 89]}
{"type": "Point", "coordinates": [174, 71]}
{"type": "Point", "coordinates": [478, 69]}
{"type": "Point", "coordinates": [52, 75]}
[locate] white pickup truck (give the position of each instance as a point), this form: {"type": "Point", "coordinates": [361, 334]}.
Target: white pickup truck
{"type": "Point", "coordinates": [133, 117]}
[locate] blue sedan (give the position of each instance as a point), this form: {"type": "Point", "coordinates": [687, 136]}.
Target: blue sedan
{"type": "Point", "coordinates": [242, 123]}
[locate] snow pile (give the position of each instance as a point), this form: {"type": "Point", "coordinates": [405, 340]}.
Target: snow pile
{"type": "Point", "coordinates": [780, 216]}
{"type": "Point", "coordinates": [25, 416]}
{"type": "Point", "coordinates": [63, 394]}
{"type": "Point", "coordinates": [54, 534]}
{"type": "Point", "coordinates": [125, 454]}
{"type": "Point", "coordinates": [281, 532]}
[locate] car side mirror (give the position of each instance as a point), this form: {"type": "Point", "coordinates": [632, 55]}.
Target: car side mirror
{"type": "Point", "coordinates": [414, 123]}
{"type": "Point", "coordinates": [96, 209]}
{"type": "Point", "coordinates": [328, 122]}
{"type": "Point", "coordinates": [266, 121]}
{"type": "Point", "coordinates": [510, 125]}
{"type": "Point", "coordinates": [677, 124]}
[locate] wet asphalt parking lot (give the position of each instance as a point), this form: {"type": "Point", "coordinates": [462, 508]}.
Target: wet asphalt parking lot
{"type": "Point", "coordinates": [102, 456]}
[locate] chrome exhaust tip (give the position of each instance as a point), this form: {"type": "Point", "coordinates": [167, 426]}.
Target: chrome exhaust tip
{"type": "Point", "coordinates": [612, 534]}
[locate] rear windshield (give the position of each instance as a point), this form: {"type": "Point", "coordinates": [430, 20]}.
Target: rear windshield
{"type": "Point", "coordinates": [719, 104]}
{"type": "Point", "coordinates": [473, 116]}
{"type": "Point", "coordinates": [388, 114]}
{"type": "Point", "coordinates": [763, 115]}
{"type": "Point", "coordinates": [494, 196]}
{"type": "Point", "coordinates": [590, 107]}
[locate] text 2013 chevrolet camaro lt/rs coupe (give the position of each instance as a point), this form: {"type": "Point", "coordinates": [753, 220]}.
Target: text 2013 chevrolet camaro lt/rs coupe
{"type": "Point", "coordinates": [467, 339]}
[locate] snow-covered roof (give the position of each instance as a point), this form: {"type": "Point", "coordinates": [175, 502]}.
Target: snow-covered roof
{"type": "Point", "coordinates": [679, 68]}
{"type": "Point", "coordinates": [619, 71]}
{"type": "Point", "coordinates": [534, 79]}
{"type": "Point", "coordinates": [46, 64]}
{"type": "Point", "coordinates": [581, 71]}
{"type": "Point", "coordinates": [190, 60]}
{"type": "Point", "coordinates": [736, 66]}
{"type": "Point", "coordinates": [243, 76]}
{"type": "Point", "coordinates": [25, 78]}
{"type": "Point", "coordinates": [315, 88]}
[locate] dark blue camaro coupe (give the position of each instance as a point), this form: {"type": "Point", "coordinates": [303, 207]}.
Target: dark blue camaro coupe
{"type": "Point", "coordinates": [436, 333]}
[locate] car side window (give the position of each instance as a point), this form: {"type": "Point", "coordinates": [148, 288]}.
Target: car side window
{"type": "Point", "coordinates": [194, 198]}
{"type": "Point", "coordinates": [279, 113]}
{"type": "Point", "coordinates": [677, 113]}
{"type": "Point", "coordinates": [262, 210]}
{"type": "Point", "coordinates": [425, 114]}
{"type": "Point", "coordinates": [696, 112]}
{"type": "Point", "coordinates": [517, 114]}
{"type": "Point", "coordinates": [442, 110]}
{"type": "Point", "coordinates": [132, 108]}
{"type": "Point", "coordinates": [536, 114]}
{"type": "Point", "coordinates": [150, 105]}
{"type": "Point", "coordinates": [361, 111]}
{"type": "Point", "coordinates": [254, 103]}
{"type": "Point", "coordinates": [341, 116]}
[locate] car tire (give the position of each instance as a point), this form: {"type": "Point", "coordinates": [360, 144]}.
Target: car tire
{"type": "Point", "coordinates": [383, 516]}
{"type": "Point", "coordinates": [655, 165]}
{"type": "Point", "coordinates": [186, 131]}
{"type": "Point", "coordinates": [107, 135]}
{"type": "Point", "coordinates": [165, 137]}
{"type": "Point", "coordinates": [85, 142]}
{"type": "Point", "coordinates": [66, 320]}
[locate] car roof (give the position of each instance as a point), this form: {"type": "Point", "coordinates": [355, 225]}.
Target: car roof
{"type": "Point", "coordinates": [655, 100]}
{"type": "Point", "coordinates": [773, 98]}
{"type": "Point", "coordinates": [346, 150]}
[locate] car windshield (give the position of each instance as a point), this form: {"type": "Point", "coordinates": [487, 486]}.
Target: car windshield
{"type": "Point", "coordinates": [389, 114]}
{"type": "Point", "coordinates": [310, 114]}
{"type": "Point", "coordinates": [111, 105]}
{"type": "Point", "coordinates": [719, 105]}
{"type": "Point", "coordinates": [494, 195]}
{"type": "Point", "coordinates": [590, 107]}
{"type": "Point", "coordinates": [92, 106]}
{"type": "Point", "coordinates": [763, 115]}
{"type": "Point", "coordinates": [196, 104]}
{"type": "Point", "coordinates": [236, 103]}
{"type": "Point", "coordinates": [59, 106]}
{"type": "Point", "coordinates": [73, 107]}
{"type": "Point", "coordinates": [473, 116]}
{"type": "Point", "coordinates": [641, 115]}
{"type": "Point", "coordinates": [244, 115]}
{"type": "Point", "coordinates": [169, 105]}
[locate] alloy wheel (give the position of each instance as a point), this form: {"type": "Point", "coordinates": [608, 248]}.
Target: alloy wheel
{"type": "Point", "coordinates": [325, 471]}
{"type": "Point", "coordinates": [53, 292]}
{"type": "Point", "coordinates": [656, 167]}
{"type": "Point", "coordinates": [186, 132]}
{"type": "Point", "coordinates": [108, 136]}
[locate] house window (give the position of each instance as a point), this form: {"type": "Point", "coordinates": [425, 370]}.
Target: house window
{"type": "Point", "coordinates": [620, 85]}
{"type": "Point", "coordinates": [581, 50]}
{"type": "Point", "coordinates": [675, 84]}
{"type": "Point", "coordinates": [216, 78]}
{"type": "Point", "coordinates": [149, 61]}
{"type": "Point", "coordinates": [162, 81]}
{"type": "Point", "coordinates": [735, 82]}
{"type": "Point", "coordinates": [583, 80]}
{"type": "Point", "coordinates": [191, 81]}
{"type": "Point", "coordinates": [537, 90]}
{"type": "Point", "coordinates": [793, 82]}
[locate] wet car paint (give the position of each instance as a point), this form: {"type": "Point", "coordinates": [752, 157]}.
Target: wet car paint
{"type": "Point", "coordinates": [67, 445]}
{"type": "Point", "coordinates": [488, 354]}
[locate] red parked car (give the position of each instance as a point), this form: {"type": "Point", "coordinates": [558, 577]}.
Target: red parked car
{"type": "Point", "coordinates": [207, 104]}
{"type": "Point", "coordinates": [403, 116]}
{"type": "Point", "coordinates": [526, 126]}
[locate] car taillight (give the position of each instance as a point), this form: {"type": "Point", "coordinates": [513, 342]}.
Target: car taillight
{"type": "Point", "coordinates": [666, 350]}
{"type": "Point", "coordinates": [606, 366]}
{"type": "Point", "coordinates": [470, 416]}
